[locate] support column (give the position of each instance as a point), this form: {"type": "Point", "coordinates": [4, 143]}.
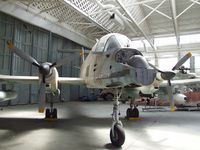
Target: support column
{"type": "Point", "coordinates": [192, 64]}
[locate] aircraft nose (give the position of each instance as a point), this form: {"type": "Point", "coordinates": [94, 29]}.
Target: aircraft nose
{"type": "Point", "coordinates": [45, 69]}
{"type": "Point", "coordinates": [144, 74]}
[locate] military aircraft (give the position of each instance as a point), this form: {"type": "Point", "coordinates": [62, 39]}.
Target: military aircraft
{"type": "Point", "coordinates": [112, 63]}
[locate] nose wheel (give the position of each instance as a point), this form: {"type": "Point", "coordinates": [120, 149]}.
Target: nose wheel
{"type": "Point", "coordinates": [117, 134]}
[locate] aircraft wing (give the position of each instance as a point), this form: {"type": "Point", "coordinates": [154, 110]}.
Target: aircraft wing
{"type": "Point", "coordinates": [35, 80]}
{"type": "Point", "coordinates": [71, 80]}
{"type": "Point", "coordinates": [19, 79]}
{"type": "Point", "coordinates": [181, 82]}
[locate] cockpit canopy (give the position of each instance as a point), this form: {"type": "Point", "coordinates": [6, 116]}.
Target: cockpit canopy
{"type": "Point", "coordinates": [112, 42]}
{"type": "Point", "coordinates": [124, 55]}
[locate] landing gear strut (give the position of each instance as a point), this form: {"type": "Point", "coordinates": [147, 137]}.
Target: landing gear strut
{"type": "Point", "coordinates": [51, 113]}
{"type": "Point", "coordinates": [133, 111]}
{"type": "Point", "coordinates": [117, 134]}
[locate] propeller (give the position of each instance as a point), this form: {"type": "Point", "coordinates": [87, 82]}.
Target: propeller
{"type": "Point", "coordinates": [44, 70]}
{"type": "Point", "coordinates": [22, 54]}
{"type": "Point", "coordinates": [168, 75]}
{"type": "Point", "coordinates": [182, 61]}
{"type": "Point", "coordinates": [59, 63]}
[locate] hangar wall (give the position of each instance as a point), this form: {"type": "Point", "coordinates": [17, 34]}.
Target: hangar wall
{"type": "Point", "coordinates": [42, 45]}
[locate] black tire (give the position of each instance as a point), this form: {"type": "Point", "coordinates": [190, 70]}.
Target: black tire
{"type": "Point", "coordinates": [119, 136]}
{"type": "Point", "coordinates": [128, 113]}
{"type": "Point", "coordinates": [54, 113]}
{"type": "Point", "coordinates": [135, 113]}
{"type": "Point", "coordinates": [47, 113]}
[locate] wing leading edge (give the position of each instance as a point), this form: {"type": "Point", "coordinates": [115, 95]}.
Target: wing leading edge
{"type": "Point", "coordinates": [35, 80]}
{"type": "Point", "coordinates": [181, 82]}
{"type": "Point", "coordinates": [19, 79]}
{"type": "Point", "coordinates": [71, 80]}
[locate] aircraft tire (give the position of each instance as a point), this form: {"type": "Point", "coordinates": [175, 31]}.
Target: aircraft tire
{"type": "Point", "coordinates": [47, 113]}
{"type": "Point", "coordinates": [135, 112]}
{"type": "Point", "coordinates": [128, 113]}
{"type": "Point", "coordinates": [119, 136]}
{"type": "Point", "coordinates": [132, 113]}
{"type": "Point", "coordinates": [54, 113]}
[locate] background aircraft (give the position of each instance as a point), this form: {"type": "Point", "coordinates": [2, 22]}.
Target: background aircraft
{"type": "Point", "coordinates": [112, 63]}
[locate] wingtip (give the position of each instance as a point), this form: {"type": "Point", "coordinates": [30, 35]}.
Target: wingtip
{"type": "Point", "coordinates": [41, 109]}
{"type": "Point", "coordinates": [10, 44]}
{"type": "Point", "coordinates": [189, 54]}
{"type": "Point", "coordinates": [81, 52]}
{"type": "Point", "coordinates": [172, 109]}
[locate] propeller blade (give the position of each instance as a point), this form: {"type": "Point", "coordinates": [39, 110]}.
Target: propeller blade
{"type": "Point", "coordinates": [170, 96]}
{"type": "Point", "coordinates": [41, 97]}
{"type": "Point", "coordinates": [182, 61]}
{"type": "Point", "coordinates": [21, 54]}
{"type": "Point", "coordinates": [59, 62]}
{"type": "Point", "coordinates": [154, 67]}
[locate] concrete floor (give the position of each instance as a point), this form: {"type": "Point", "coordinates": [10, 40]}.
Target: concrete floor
{"type": "Point", "coordinates": [86, 126]}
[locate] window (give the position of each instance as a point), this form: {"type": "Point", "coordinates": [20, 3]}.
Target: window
{"type": "Point", "coordinates": [193, 38]}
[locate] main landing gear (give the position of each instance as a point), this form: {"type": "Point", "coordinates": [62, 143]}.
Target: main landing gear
{"type": "Point", "coordinates": [117, 134]}
{"type": "Point", "coordinates": [133, 111]}
{"type": "Point", "coordinates": [51, 113]}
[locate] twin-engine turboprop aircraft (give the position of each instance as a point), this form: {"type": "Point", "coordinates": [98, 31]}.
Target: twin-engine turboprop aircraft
{"type": "Point", "coordinates": [112, 63]}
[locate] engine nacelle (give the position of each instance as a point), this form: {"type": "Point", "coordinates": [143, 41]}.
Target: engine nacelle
{"type": "Point", "coordinates": [7, 95]}
{"type": "Point", "coordinates": [179, 99]}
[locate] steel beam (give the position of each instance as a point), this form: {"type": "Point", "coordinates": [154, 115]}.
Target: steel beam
{"type": "Point", "coordinates": [175, 24]}
{"type": "Point", "coordinates": [161, 13]}
{"type": "Point", "coordinates": [195, 1]}
{"type": "Point", "coordinates": [85, 15]}
{"type": "Point", "coordinates": [49, 23]}
{"type": "Point", "coordinates": [136, 24]}
{"type": "Point", "coordinates": [154, 9]}
{"type": "Point", "coordinates": [51, 8]}
{"type": "Point", "coordinates": [186, 9]}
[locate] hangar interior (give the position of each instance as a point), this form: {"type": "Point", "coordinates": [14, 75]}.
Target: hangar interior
{"type": "Point", "coordinates": [163, 30]}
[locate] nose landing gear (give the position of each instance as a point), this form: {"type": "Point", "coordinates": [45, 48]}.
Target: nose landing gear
{"type": "Point", "coordinates": [51, 113]}
{"type": "Point", "coordinates": [117, 134]}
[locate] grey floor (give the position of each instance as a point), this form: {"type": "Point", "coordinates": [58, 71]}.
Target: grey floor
{"type": "Point", "coordinates": [86, 126]}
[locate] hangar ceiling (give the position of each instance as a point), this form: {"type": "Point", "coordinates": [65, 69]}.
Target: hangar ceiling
{"type": "Point", "coordinates": [138, 19]}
